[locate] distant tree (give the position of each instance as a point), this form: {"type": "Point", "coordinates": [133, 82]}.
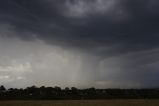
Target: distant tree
{"type": "Point", "coordinates": [74, 89]}
{"type": "Point", "coordinates": [57, 88]}
{"type": "Point", "coordinates": [2, 88]}
{"type": "Point", "coordinates": [75, 93]}
{"type": "Point", "coordinates": [67, 89]}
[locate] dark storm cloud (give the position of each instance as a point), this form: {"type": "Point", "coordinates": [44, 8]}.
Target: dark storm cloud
{"type": "Point", "coordinates": [125, 31]}
{"type": "Point", "coordinates": [46, 19]}
{"type": "Point", "coordinates": [139, 30]}
{"type": "Point", "coordinates": [27, 16]}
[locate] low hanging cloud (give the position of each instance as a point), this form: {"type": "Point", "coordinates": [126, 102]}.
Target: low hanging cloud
{"type": "Point", "coordinates": [101, 43]}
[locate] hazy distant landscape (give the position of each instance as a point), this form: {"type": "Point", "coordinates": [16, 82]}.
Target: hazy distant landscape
{"type": "Point", "coordinates": [73, 93]}
{"type": "Point", "coordinates": [82, 103]}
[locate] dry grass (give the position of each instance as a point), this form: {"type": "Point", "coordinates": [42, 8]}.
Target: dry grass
{"type": "Point", "coordinates": [82, 103]}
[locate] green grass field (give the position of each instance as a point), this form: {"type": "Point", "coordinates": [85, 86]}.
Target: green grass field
{"type": "Point", "coordinates": [82, 103]}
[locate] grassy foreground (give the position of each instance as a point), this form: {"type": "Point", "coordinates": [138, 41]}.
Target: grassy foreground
{"type": "Point", "coordinates": [83, 103]}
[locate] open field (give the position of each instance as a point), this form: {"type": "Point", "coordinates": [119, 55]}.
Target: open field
{"type": "Point", "coordinates": [83, 103]}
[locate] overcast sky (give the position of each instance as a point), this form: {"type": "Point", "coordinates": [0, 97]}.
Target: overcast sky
{"type": "Point", "coordinates": [81, 43]}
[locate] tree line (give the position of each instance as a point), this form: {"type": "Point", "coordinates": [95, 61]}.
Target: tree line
{"type": "Point", "coordinates": [73, 93]}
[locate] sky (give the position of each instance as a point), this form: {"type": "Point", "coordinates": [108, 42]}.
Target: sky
{"type": "Point", "coordinates": [81, 43]}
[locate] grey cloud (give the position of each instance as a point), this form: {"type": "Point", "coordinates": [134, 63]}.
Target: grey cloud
{"type": "Point", "coordinates": [45, 19]}
{"type": "Point", "coordinates": [83, 8]}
